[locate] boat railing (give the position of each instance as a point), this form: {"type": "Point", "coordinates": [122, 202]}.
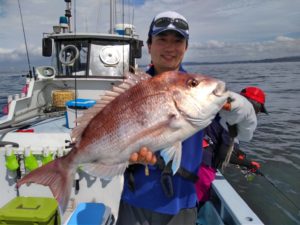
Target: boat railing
{"type": "Point", "coordinates": [229, 204]}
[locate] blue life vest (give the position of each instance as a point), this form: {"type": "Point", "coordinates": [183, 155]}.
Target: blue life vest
{"type": "Point", "coordinates": [148, 192]}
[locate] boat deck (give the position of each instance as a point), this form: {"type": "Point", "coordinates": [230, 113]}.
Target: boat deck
{"type": "Point", "coordinates": [226, 206]}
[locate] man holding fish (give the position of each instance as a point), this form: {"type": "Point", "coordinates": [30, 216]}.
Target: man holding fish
{"type": "Point", "coordinates": [152, 194]}
{"type": "Point", "coordinates": [163, 110]}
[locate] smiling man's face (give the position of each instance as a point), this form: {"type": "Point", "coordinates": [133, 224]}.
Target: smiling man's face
{"type": "Point", "coordinates": [167, 51]}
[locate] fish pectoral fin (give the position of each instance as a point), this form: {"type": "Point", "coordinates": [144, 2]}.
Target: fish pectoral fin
{"type": "Point", "coordinates": [173, 153]}
{"type": "Point", "coordinates": [177, 158]}
{"type": "Point", "coordinates": [101, 170]}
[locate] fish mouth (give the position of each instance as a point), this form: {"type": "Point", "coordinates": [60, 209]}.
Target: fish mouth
{"type": "Point", "coordinates": [220, 89]}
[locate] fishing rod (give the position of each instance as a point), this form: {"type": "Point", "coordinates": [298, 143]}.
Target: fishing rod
{"type": "Point", "coordinates": [251, 168]}
{"type": "Point", "coordinates": [24, 35]}
{"type": "Point", "coordinates": [259, 172]}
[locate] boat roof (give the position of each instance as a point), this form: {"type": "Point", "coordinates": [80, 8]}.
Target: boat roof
{"type": "Point", "coordinates": [64, 36]}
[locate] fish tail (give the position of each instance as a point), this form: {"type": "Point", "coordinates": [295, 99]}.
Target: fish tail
{"type": "Point", "coordinates": [58, 175]}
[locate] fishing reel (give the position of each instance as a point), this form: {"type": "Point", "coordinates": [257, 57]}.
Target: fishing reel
{"type": "Point", "coordinates": [251, 170]}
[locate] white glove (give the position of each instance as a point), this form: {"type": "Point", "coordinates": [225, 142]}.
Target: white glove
{"type": "Point", "coordinates": [241, 113]}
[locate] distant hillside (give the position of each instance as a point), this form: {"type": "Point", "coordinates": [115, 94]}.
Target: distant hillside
{"type": "Point", "coordinates": [283, 59]}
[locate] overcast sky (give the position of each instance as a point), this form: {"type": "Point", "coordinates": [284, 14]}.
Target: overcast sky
{"type": "Point", "coordinates": [220, 30]}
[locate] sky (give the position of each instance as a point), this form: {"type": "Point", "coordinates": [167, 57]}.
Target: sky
{"type": "Point", "coordinates": [220, 30]}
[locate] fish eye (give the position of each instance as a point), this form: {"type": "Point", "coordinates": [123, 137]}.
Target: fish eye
{"type": "Point", "coordinates": [192, 83]}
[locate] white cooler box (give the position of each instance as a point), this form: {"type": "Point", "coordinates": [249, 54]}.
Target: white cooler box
{"type": "Point", "coordinates": [77, 106]}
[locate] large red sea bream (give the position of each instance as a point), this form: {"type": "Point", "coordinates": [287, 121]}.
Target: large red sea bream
{"type": "Point", "coordinates": [157, 112]}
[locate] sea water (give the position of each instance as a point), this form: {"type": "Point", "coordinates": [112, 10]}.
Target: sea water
{"type": "Point", "coordinates": [275, 196]}
{"type": "Point", "coordinates": [276, 142]}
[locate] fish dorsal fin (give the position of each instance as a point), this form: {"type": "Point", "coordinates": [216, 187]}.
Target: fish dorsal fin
{"type": "Point", "coordinates": [131, 79]}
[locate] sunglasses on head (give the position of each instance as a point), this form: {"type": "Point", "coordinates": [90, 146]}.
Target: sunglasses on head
{"type": "Point", "coordinates": [166, 21]}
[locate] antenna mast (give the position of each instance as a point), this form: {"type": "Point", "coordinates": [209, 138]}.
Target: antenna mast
{"type": "Point", "coordinates": [68, 13]}
{"type": "Point", "coordinates": [28, 60]}
{"type": "Point", "coordinates": [112, 15]}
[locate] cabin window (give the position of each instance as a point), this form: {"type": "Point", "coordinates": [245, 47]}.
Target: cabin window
{"type": "Point", "coordinates": [66, 53]}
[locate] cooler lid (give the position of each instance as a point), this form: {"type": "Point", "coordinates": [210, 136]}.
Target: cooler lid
{"type": "Point", "coordinates": [89, 213]}
{"type": "Point", "coordinates": [28, 209]}
{"type": "Point", "coordinates": [81, 103]}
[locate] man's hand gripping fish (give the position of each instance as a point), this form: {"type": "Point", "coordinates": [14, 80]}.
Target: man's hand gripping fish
{"type": "Point", "coordinates": [157, 112]}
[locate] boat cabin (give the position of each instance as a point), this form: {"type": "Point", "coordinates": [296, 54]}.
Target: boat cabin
{"type": "Point", "coordinates": [91, 55]}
